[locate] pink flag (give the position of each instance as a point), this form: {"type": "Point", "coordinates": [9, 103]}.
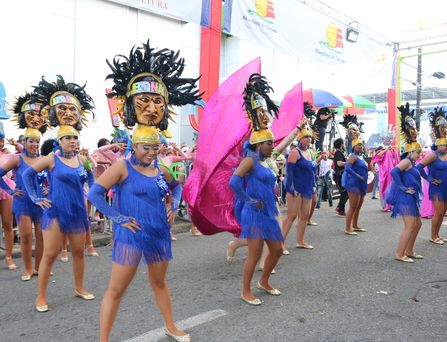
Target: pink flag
{"type": "Point", "coordinates": [290, 113]}
{"type": "Point", "coordinates": [224, 128]}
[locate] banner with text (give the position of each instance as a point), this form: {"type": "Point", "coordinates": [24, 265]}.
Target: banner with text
{"type": "Point", "coordinates": [189, 11]}
{"type": "Point", "coordinates": [299, 30]}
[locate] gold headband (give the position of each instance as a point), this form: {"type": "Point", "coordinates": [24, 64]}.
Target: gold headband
{"type": "Point", "coordinates": [145, 135]}
{"type": "Point", "coordinates": [356, 142]}
{"type": "Point", "coordinates": [64, 97]}
{"type": "Point", "coordinates": [154, 86]}
{"type": "Point", "coordinates": [65, 131]}
{"type": "Point", "coordinates": [303, 133]}
{"type": "Point", "coordinates": [32, 133]}
{"type": "Point", "coordinates": [261, 136]}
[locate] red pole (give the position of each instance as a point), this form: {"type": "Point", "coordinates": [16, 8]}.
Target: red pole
{"type": "Point", "coordinates": [209, 57]}
{"type": "Point", "coordinates": [392, 112]}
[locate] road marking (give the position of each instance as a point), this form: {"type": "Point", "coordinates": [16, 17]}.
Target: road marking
{"type": "Point", "coordinates": [188, 323]}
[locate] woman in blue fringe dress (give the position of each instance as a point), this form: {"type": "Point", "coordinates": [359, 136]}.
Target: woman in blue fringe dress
{"type": "Point", "coordinates": [437, 173]}
{"type": "Point", "coordinates": [405, 192]}
{"type": "Point", "coordinates": [28, 115]}
{"type": "Point", "coordinates": [355, 176]}
{"type": "Point", "coordinates": [256, 211]}
{"type": "Point", "coordinates": [64, 209]}
{"type": "Point", "coordinates": [300, 186]}
{"type": "Point", "coordinates": [149, 82]}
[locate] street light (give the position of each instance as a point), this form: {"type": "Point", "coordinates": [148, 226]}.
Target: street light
{"type": "Point", "coordinates": [352, 34]}
{"type": "Point", "coordinates": [439, 75]}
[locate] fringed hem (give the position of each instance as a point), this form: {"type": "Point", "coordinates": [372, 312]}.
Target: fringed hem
{"type": "Point", "coordinates": [438, 197]}
{"type": "Point", "coordinates": [356, 190]}
{"type": "Point", "coordinates": [79, 229]}
{"type": "Point", "coordinates": [34, 218]}
{"type": "Point", "coordinates": [405, 210]}
{"type": "Point", "coordinates": [130, 255]}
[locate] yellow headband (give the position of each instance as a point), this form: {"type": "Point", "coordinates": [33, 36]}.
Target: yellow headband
{"type": "Point", "coordinates": [261, 136]}
{"type": "Point", "coordinates": [303, 133]}
{"type": "Point", "coordinates": [414, 146]}
{"type": "Point", "coordinates": [441, 141]}
{"type": "Point", "coordinates": [356, 142]}
{"type": "Point", "coordinates": [145, 135]}
{"type": "Point", "coordinates": [64, 97]}
{"type": "Point", "coordinates": [32, 133]}
{"type": "Point", "coordinates": [30, 106]}
{"type": "Point", "coordinates": [153, 86]}
{"type": "Point", "coordinates": [65, 131]}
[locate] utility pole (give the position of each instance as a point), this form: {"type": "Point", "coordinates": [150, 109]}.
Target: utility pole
{"type": "Point", "coordinates": [419, 90]}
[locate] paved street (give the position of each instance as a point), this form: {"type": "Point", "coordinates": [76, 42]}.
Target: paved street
{"type": "Point", "coordinates": [346, 289]}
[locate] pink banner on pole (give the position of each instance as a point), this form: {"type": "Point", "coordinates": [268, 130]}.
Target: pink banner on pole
{"type": "Point", "coordinates": [224, 128]}
{"type": "Point", "coordinates": [290, 113]}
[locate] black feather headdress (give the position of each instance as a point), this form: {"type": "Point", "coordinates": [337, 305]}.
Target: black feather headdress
{"type": "Point", "coordinates": [47, 92]}
{"type": "Point", "coordinates": [350, 120]}
{"type": "Point", "coordinates": [406, 123]}
{"type": "Point", "coordinates": [437, 118]}
{"type": "Point", "coordinates": [256, 95]}
{"type": "Point", "coordinates": [145, 63]}
{"type": "Point", "coordinates": [20, 106]}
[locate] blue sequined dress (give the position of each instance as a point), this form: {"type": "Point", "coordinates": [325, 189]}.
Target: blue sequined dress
{"type": "Point", "coordinates": [301, 177]}
{"type": "Point", "coordinates": [354, 184]}
{"type": "Point", "coordinates": [66, 194]}
{"type": "Point", "coordinates": [143, 198]}
{"type": "Point", "coordinates": [438, 170]}
{"type": "Point", "coordinates": [259, 223]}
{"type": "Point", "coordinates": [405, 204]}
{"type": "Point", "coordinates": [23, 205]}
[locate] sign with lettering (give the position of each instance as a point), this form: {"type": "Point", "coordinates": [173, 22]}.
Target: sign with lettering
{"type": "Point", "coordinates": [189, 11]}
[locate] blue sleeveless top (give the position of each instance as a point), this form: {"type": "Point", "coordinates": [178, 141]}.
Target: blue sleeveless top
{"type": "Point", "coordinates": [22, 205]}
{"type": "Point", "coordinates": [405, 204]}
{"type": "Point", "coordinates": [301, 177]}
{"type": "Point", "coordinates": [438, 170]}
{"type": "Point", "coordinates": [66, 194]}
{"type": "Point", "coordinates": [353, 184]}
{"type": "Point", "coordinates": [259, 223]}
{"type": "Point", "coordinates": [143, 198]}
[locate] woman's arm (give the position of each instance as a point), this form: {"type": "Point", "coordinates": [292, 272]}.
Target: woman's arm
{"type": "Point", "coordinates": [11, 163]}
{"type": "Point", "coordinates": [286, 142]}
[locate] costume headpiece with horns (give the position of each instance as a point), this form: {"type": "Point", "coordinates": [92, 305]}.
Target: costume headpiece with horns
{"type": "Point", "coordinates": [438, 126]}
{"type": "Point", "coordinates": [408, 128]}
{"type": "Point", "coordinates": [260, 108]}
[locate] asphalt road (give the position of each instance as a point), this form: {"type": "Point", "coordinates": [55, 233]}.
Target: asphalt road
{"type": "Point", "coordinates": [346, 289]}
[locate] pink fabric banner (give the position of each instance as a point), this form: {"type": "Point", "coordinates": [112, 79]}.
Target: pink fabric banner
{"type": "Point", "coordinates": [290, 113]}
{"type": "Point", "coordinates": [224, 128]}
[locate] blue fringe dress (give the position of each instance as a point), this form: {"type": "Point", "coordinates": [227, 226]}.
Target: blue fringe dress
{"type": "Point", "coordinates": [259, 224]}
{"type": "Point", "coordinates": [23, 205]}
{"type": "Point", "coordinates": [66, 194]}
{"type": "Point", "coordinates": [143, 198]}
{"type": "Point", "coordinates": [353, 184]}
{"type": "Point", "coordinates": [405, 204]}
{"type": "Point", "coordinates": [438, 170]}
{"type": "Point", "coordinates": [301, 177]}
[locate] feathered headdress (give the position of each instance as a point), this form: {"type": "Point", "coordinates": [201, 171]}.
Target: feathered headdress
{"type": "Point", "coordinates": [438, 126]}
{"type": "Point", "coordinates": [53, 93]}
{"type": "Point", "coordinates": [147, 70]}
{"type": "Point", "coordinates": [408, 128]}
{"type": "Point", "coordinates": [24, 103]}
{"type": "Point", "coordinates": [351, 121]}
{"type": "Point", "coordinates": [255, 96]}
{"type": "Point", "coordinates": [388, 136]}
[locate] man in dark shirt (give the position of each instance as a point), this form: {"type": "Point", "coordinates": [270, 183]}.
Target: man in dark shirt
{"type": "Point", "coordinates": [339, 166]}
{"type": "Point", "coordinates": [323, 116]}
